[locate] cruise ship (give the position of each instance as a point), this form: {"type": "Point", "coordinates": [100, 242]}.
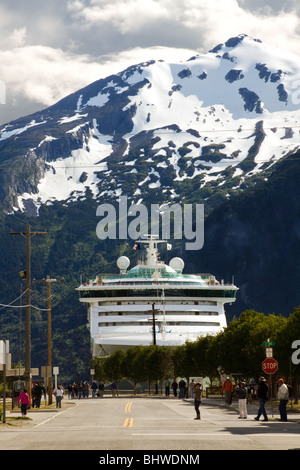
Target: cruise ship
{"type": "Point", "coordinates": [153, 303]}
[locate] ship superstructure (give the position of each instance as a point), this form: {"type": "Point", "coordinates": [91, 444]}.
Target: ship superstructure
{"type": "Point", "coordinates": [153, 303]}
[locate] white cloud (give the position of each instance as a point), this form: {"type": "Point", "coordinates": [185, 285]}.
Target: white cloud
{"type": "Point", "coordinates": [43, 75]}
{"type": "Point", "coordinates": [50, 50]}
{"type": "Point", "coordinates": [127, 15]}
{"type": "Point", "coordinates": [207, 22]}
{"type": "Point", "coordinates": [17, 38]}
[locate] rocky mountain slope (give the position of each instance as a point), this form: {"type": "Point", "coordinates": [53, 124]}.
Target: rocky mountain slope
{"type": "Point", "coordinates": [171, 132]}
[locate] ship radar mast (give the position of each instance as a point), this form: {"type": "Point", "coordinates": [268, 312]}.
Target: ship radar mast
{"type": "Point", "coordinates": [151, 250]}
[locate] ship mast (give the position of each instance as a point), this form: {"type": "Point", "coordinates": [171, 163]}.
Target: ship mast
{"type": "Point", "coordinates": [151, 250]}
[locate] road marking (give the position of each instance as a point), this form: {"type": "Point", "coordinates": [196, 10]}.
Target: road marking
{"type": "Point", "coordinates": [49, 419]}
{"type": "Point", "coordinates": [215, 434]}
{"type": "Point", "coordinates": [128, 407]}
{"type": "Point", "coordinates": [128, 423]}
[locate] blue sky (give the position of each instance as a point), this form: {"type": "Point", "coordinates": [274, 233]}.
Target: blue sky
{"type": "Point", "coordinates": [50, 49]}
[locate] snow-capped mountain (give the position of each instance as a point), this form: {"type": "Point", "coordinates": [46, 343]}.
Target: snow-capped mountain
{"type": "Point", "coordinates": [170, 131]}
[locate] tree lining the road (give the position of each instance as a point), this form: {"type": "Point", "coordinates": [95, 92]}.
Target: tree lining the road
{"type": "Point", "coordinates": [237, 349]}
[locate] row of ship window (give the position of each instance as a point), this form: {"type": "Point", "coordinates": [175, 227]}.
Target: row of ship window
{"type": "Point", "coordinates": [153, 293]}
{"type": "Point", "coordinates": [147, 323]}
{"type": "Point", "coordinates": [167, 313]}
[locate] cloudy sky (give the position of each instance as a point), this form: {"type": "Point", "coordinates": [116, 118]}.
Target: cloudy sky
{"type": "Point", "coordinates": [50, 49]}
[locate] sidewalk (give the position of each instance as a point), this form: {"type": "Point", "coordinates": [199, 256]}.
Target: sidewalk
{"type": "Point", "coordinates": [252, 408]}
{"type": "Point", "coordinates": [34, 416]}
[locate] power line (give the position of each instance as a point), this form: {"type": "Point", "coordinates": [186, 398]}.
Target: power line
{"type": "Point", "coordinates": [12, 306]}
{"type": "Point", "coordinates": [153, 131]}
{"type": "Point", "coordinates": [22, 306]}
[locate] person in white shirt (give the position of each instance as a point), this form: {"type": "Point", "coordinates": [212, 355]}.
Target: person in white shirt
{"type": "Point", "coordinates": [59, 393]}
{"type": "Point", "coordinates": [283, 397]}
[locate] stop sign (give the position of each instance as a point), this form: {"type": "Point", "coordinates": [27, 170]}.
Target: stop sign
{"type": "Point", "coordinates": [270, 365]}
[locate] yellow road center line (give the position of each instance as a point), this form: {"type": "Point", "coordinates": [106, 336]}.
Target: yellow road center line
{"type": "Point", "coordinates": [128, 423]}
{"type": "Point", "coordinates": [128, 407]}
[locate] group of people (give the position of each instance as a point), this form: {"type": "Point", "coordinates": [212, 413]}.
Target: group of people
{"type": "Point", "coordinates": [243, 391]}
{"type": "Point", "coordinates": [78, 390]}
{"type": "Point", "coordinates": [178, 388]}
{"type": "Point", "coordinates": [36, 392]}
{"type": "Point", "coordinates": [82, 390]}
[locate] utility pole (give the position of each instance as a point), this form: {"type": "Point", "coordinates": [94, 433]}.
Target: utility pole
{"type": "Point", "coordinates": [154, 311]}
{"type": "Point", "coordinates": [48, 282]}
{"type": "Point", "coordinates": [27, 275]}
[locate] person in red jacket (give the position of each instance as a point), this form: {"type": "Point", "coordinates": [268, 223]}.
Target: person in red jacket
{"type": "Point", "coordinates": [228, 389]}
{"type": "Point", "coordinates": [25, 402]}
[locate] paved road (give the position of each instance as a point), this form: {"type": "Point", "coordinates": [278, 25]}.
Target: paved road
{"type": "Point", "coordinates": [147, 424]}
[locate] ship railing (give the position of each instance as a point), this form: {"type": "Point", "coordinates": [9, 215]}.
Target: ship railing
{"type": "Point", "coordinates": [148, 275]}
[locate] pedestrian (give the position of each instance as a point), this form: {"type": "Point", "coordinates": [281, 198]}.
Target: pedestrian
{"type": "Point", "coordinates": [79, 390]}
{"type": "Point", "coordinates": [197, 391]}
{"type": "Point", "coordinates": [191, 387]}
{"type": "Point", "coordinates": [94, 387]}
{"type": "Point", "coordinates": [227, 388]}
{"type": "Point", "coordinates": [182, 386]}
{"type": "Point", "coordinates": [167, 386]}
{"type": "Point", "coordinates": [59, 394]}
{"type": "Point", "coordinates": [174, 387]}
{"type": "Point", "coordinates": [283, 397]}
{"type": "Point", "coordinates": [24, 401]}
{"type": "Point", "coordinates": [113, 388]}
{"type": "Point", "coordinates": [69, 391]}
{"type": "Point", "coordinates": [101, 389]}
{"type": "Point", "coordinates": [241, 392]}
{"type": "Point", "coordinates": [86, 390]}
{"type": "Point", "coordinates": [262, 395]}
{"type": "Point", "coordinates": [37, 393]}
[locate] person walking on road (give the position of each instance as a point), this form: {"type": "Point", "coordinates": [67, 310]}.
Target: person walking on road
{"type": "Point", "coordinates": [197, 391]}
{"type": "Point", "coordinates": [227, 388]}
{"type": "Point", "coordinates": [25, 402]}
{"type": "Point", "coordinates": [262, 394]}
{"type": "Point", "coordinates": [241, 392]}
{"type": "Point", "coordinates": [283, 397]}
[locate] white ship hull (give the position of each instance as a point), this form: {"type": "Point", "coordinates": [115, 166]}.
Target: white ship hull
{"type": "Point", "coordinates": [174, 324]}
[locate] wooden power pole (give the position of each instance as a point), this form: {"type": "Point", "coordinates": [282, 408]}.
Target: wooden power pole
{"type": "Point", "coordinates": [48, 282]}
{"type": "Point", "coordinates": [27, 275]}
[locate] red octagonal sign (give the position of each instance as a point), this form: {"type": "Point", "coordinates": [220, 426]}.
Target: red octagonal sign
{"type": "Point", "coordinates": [269, 365]}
